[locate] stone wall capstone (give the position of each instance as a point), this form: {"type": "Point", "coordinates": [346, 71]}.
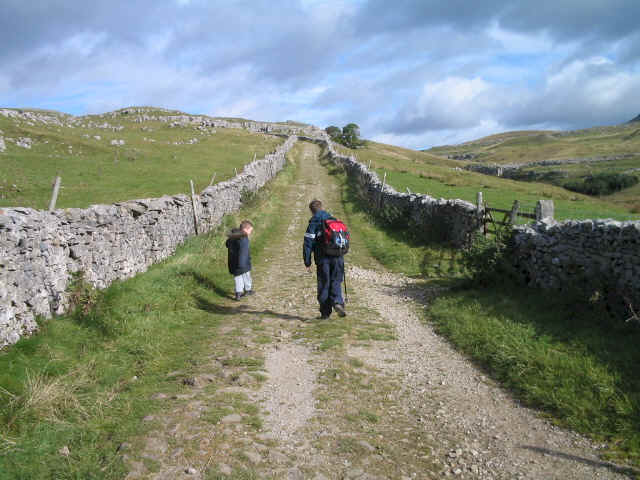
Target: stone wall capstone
{"type": "Point", "coordinates": [39, 250]}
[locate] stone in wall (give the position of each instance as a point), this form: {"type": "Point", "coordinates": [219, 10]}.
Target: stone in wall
{"type": "Point", "coordinates": [24, 142]}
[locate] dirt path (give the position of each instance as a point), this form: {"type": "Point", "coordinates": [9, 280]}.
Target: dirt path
{"type": "Point", "coordinates": [376, 395]}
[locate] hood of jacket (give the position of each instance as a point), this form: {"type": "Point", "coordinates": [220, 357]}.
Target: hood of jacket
{"type": "Point", "coordinates": [236, 233]}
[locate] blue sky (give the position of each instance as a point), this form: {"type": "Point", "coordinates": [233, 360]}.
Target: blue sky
{"type": "Point", "coordinates": [415, 73]}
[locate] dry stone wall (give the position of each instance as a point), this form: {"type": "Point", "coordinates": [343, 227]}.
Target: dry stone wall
{"type": "Point", "coordinates": [584, 255]}
{"type": "Point", "coordinates": [450, 221]}
{"type": "Point", "coordinates": [39, 250]}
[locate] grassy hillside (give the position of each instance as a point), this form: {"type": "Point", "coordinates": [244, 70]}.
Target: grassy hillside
{"type": "Point", "coordinates": [532, 146]}
{"type": "Point", "coordinates": [423, 172]}
{"type": "Point", "coordinates": [152, 157]}
{"type": "Point", "coordinates": [618, 145]}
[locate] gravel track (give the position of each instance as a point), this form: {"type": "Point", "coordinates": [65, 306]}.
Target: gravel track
{"type": "Point", "coordinates": [404, 407]}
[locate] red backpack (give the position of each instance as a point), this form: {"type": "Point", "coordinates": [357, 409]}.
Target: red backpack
{"type": "Point", "coordinates": [336, 238]}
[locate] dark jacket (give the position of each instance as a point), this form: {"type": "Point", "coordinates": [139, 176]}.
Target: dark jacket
{"type": "Point", "coordinates": [239, 255]}
{"type": "Point", "coordinates": [312, 240]}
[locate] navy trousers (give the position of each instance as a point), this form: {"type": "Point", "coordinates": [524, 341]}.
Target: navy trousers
{"type": "Point", "coordinates": [330, 273]}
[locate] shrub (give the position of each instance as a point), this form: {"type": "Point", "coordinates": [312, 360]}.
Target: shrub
{"type": "Point", "coordinates": [602, 183]}
{"type": "Point", "coordinates": [487, 260]}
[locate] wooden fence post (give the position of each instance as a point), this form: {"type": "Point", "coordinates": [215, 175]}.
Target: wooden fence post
{"type": "Point", "coordinates": [384, 179]}
{"type": "Point", "coordinates": [193, 203]}
{"type": "Point", "coordinates": [236, 171]}
{"type": "Point", "coordinates": [54, 196]}
{"type": "Point", "coordinates": [369, 167]}
{"type": "Point", "coordinates": [480, 210]}
{"type": "Point", "coordinates": [213, 179]}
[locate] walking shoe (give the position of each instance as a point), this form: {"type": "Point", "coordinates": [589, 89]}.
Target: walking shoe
{"type": "Point", "coordinates": [239, 295]}
{"type": "Point", "coordinates": [339, 307]}
{"type": "Point", "coordinates": [249, 292]}
{"type": "Point", "coordinates": [323, 317]}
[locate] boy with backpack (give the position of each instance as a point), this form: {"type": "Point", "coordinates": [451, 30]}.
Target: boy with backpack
{"type": "Point", "coordinates": [328, 240]}
{"type": "Point", "coordinates": [239, 258]}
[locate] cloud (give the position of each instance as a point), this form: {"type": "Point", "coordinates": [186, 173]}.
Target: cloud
{"type": "Point", "coordinates": [411, 70]}
{"type": "Point", "coordinates": [584, 92]}
{"type": "Point", "coordinates": [451, 103]}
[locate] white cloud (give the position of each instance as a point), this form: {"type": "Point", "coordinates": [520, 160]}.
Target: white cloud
{"type": "Point", "coordinates": [521, 43]}
{"type": "Point", "coordinates": [413, 71]}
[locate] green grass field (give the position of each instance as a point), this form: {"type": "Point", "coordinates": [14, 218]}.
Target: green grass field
{"type": "Point", "coordinates": [533, 146]}
{"type": "Point", "coordinates": [443, 178]}
{"type": "Point", "coordinates": [156, 159]}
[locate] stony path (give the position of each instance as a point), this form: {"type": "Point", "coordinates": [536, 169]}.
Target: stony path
{"type": "Point", "coordinates": [376, 395]}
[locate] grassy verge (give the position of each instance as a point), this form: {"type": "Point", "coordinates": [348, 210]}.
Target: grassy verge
{"type": "Point", "coordinates": [559, 355]}
{"type": "Point", "coordinates": [86, 380]}
{"type": "Point", "coordinates": [556, 355]}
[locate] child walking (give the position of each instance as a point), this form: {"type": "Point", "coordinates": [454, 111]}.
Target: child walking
{"type": "Point", "coordinates": [240, 258]}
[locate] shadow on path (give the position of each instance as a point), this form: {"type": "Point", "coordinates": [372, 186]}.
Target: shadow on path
{"type": "Point", "coordinates": [207, 306]}
{"type": "Point", "coordinates": [632, 472]}
{"type": "Point", "coordinates": [208, 284]}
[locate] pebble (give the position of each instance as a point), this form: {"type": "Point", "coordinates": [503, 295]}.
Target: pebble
{"type": "Point", "coordinates": [232, 418]}
{"type": "Point", "coordinates": [367, 446]}
{"type": "Point", "coordinates": [253, 456]}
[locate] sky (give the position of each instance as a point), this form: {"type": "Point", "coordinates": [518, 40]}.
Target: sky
{"type": "Point", "coordinates": [413, 73]}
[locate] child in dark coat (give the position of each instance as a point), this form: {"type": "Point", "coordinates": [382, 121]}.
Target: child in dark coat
{"type": "Point", "coordinates": [240, 258]}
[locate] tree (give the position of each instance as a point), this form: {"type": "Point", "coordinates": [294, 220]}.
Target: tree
{"type": "Point", "coordinates": [334, 132]}
{"type": "Point", "coordinates": [349, 136]}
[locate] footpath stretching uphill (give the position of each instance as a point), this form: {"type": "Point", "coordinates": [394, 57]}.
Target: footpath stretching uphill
{"type": "Point", "coordinates": [375, 395]}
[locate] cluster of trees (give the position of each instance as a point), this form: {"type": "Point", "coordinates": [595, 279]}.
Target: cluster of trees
{"type": "Point", "coordinates": [602, 183]}
{"type": "Point", "coordinates": [349, 135]}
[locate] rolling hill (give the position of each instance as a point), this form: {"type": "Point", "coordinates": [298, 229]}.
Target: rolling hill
{"type": "Point", "coordinates": [558, 158]}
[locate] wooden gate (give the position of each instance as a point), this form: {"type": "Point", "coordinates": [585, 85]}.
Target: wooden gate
{"type": "Point", "coordinates": [490, 224]}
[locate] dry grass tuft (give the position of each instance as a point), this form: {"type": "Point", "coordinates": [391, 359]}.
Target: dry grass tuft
{"type": "Point", "coordinates": [48, 399]}
{"type": "Point", "coordinates": [6, 444]}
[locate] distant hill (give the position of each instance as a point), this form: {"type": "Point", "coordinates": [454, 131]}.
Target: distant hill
{"type": "Point", "coordinates": [522, 147]}
{"type": "Point", "coordinates": [559, 158]}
